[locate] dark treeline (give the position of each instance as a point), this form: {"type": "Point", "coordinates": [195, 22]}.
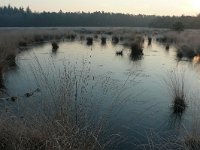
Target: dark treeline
{"type": "Point", "coordinates": [20, 17]}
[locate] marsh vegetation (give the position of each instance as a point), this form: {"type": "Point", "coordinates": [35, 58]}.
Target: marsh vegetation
{"type": "Point", "coordinates": [99, 90]}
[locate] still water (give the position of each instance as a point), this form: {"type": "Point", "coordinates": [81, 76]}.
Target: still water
{"type": "Point", "coordinates": [140, 83]}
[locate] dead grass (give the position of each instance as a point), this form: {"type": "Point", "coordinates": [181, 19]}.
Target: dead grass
{"type": "Point", "coordinates": [186, 42]}
{"type": "Point", "coordinates": [176, 86]}
{"type": "Point", "coordinates": [65, 117]}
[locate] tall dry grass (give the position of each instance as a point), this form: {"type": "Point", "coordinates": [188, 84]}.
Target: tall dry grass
{"type": "Point", "coordinates": [186, 42]}
{"type": "Point", "coordinates": [177, 89]}
{"type": "Point", "coordinates": [63, 116]}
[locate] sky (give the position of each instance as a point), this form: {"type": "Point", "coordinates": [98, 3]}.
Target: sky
{"type": "Point", "coordinates": [149, 7]}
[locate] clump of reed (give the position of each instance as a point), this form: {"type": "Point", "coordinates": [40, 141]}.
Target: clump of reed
{"type": "Point", "coordinates": [71, 37]}
{"type": "Point", "coordinates": [135, 43]}
{"type": "Point", "coordinates": [54, 45]}
{"type": "Point", "coordinates": [136, 47]}
{"type": "Point", "coordinates": [167, 47]}
{"type": "Point", "coordinates": [169, 37]}
{"type": "Point", "coordinates": [115, 40]}
{"type": "Point", "coordinates": [103, 40]}
{"type": "Point", "coordinates": [65, 118]}
{"type": "Point", "coordinates": [176, 86]}
{"type": "Point", "coordinates": [149, 40]}
{"type": "Point", "coordinates": [119, 53]}
{"type": "Point", "coordinates": [136, 51]}
{"type": "Point", "coordinates": [186, 51]}
{"type": "Point", "coordinates": [89, 40]}
{"type": "Point", "coordinates": [186, 42]}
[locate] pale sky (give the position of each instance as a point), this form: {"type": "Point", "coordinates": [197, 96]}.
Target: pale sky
{"type": "Point", "coordinates": [150, 7]}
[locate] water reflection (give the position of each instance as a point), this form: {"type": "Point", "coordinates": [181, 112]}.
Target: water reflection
{"type": "Point", "coordinates": [135, 57]}
{"type": "Point", "coordinates": [175, 120]}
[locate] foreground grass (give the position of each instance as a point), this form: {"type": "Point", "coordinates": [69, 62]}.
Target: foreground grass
{"type": "Point", "coordinates": [62, 116]}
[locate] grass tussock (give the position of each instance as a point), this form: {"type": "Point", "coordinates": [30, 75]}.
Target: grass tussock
{"type": "Point", "coordinates": [115, 40]}
{"type": "Point", "coordinates": [136, 49]}
{"type": "Point", "coordinates": [186, 42]}
{"type": "Point", "coordinates": [47, 134]}
{"type": "Point", "coordinates": [65, 117]}
{"type": "Point", "coordinates": [89, 40]}
{"type": "Point", "coordinates": [176, 85]}
{"type": "Point", "coordinates": [119, 53]}
{"type": "Point", "coordinates": [103, 40]}
{"type": "Point", "coordinates": [54, 45]}
{"type": "Point", "coordinates": [192, 142]}
{"type": "Point", "coordinates": [149, 40]}
{"type": "Point", "coordinates": [167, 47]}
{"type": "Point", "coordinates": [186, 51]}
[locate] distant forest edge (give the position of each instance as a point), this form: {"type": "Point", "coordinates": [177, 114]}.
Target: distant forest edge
{"type": "Point", "coordinates": [20, 17]}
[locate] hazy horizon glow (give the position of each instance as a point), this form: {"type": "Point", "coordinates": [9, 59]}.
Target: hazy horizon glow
{"type": "Point", "coordinates": [149, 7]}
